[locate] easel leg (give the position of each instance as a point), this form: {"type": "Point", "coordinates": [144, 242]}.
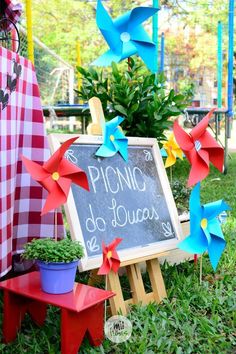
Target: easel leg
{"type": "Point", "coordinates": [136, 283]}
{"type": "Point", "coordinates": [156, 279]}
{"type": "Point", "coordinates": [117, 302]}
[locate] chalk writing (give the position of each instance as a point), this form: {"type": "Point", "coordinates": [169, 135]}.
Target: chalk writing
{"type": "Point", "coordinates": [92, 245]}
{"type": "Point", "coordinates": [93, 224]}
{"type": "Point", "coordinates": [167, 229]}
{"type": "Point", "coordinates": [148, 155]}
{"type": "Point", "coordinates": [116, 180]}
{"type": "Point", "coordinates": [122, 216]}
{"type": "Point", "coordinates": [69, 155]}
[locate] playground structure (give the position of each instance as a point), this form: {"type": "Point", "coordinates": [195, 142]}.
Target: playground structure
{"type": "Point", "coordinates": [55, 76]}
{"type": "Point", "coordinates": [206, 73]}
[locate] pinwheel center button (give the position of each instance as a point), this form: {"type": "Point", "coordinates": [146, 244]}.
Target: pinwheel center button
{"type": "Point", "coordinates": [197, 145]}
{"type": "Point", "coordinates": [112, 138]}
{"type": "Point", "coordinates": [55, 176]}
{"type": "Point", "coordinates": [125, 37]}
{"type": "Point", "coordinates": [204, 223]}
{"type": "Point", "coordinates": [109, 254]}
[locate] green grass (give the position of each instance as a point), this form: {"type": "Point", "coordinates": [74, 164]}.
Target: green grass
{"type": "Point", "coordinates": [216, 185]}
{"type": "Point", "coordinates": [193, 319]}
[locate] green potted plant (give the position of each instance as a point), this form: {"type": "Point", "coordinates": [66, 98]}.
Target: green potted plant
{"type": "Point", "coordinates": [57, 261]}
{"type": "Point", "coordinates": [136, 94]}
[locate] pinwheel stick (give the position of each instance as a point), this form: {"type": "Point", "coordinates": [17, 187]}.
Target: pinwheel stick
{"type": "Point", "coordinates": [55, 224]}
{"type": "Point", "coordinates": [129, 66]}
{"type": "Point", "coordinates": [171, 174]}
{"type": "Point", "coordinates": [200, 270]}
{"type": "Point", "coordinates": [105, 307]}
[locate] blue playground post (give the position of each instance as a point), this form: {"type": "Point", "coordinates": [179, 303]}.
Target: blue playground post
{"type": "Point", "coordinates": [155, 33]}
{"type": "Point", "coordinates": [162, 64]}
{"type": "Point", "coordinates": [219, 64]}
{"type": "Point", "coordinates": [230, 66]}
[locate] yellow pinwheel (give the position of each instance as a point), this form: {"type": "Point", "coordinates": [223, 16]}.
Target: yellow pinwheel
{"type": "Point", "coordinates": [173, 151]}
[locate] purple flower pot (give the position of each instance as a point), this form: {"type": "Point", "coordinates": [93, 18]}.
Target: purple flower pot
{"type": "Point", "coordinates": [57, 278]}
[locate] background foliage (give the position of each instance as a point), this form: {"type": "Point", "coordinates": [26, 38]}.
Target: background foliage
{"type": "Point", "coordinates": [190, 28]}
{"type": "Point", "coordinates": [60, 24]}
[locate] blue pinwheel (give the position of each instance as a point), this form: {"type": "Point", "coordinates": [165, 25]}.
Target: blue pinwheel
{"type": "Point", "coordinates": [126, 36]}
{"type": "Point", "coordinates": [113, 140]}
{"type": "Point", "coordinates": [205, 229]}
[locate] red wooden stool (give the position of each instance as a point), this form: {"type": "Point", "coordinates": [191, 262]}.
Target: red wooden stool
{"type": "Point", "coordinates": [82, 310]}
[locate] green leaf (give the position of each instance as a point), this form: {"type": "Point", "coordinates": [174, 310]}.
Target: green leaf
{"type": "Point", "coordinates": [120, 109]}
{"type": "Point", "coordinates": [171, 94]}
{"type": "Point", "coordinates": [133, 108]}
{"type": "Point", "coordinates": [178, 98]}
{"type": "Point", "coordinates": [115, 70]}
{"type": "Point", "coordinates": [157, 116]}
{"type": "Point", "coordinates": [81, 70]}
{"type": "Point", "coordinates": [93, 73]}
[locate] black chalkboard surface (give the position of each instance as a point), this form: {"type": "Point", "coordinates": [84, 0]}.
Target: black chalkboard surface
{"type": "Point", "coordinates": [131, 200]}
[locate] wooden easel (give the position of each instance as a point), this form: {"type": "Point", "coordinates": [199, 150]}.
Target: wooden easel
{"type": "Point", "coordinates": [95, 128]}
{"type": "Point", "coordinates": [139, 295]}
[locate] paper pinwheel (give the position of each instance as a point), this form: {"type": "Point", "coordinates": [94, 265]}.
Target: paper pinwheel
{"type": "Point", "coordinates": [205, 228]}
{"type": "Point", "coordinates": [111, 259]}
{"type": "Point", "coordinates": [173, 151]}
{"type": "Point", "coordinates": [113, 140]}
{"type": "Point", "coordinates": [126, 36]}
{"type": "Point", "coordinates": [56, 176]}
{"type": "Point", "coordinates": [200, 149]}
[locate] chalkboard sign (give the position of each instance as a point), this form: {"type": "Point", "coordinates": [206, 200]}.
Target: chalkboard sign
{"type": "Point", "coordinates": [131, 200]}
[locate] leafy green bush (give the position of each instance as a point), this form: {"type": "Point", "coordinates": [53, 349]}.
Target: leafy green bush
{"type": "Point", "coordinates": [49, 250]}
{"type": "Point", "coordinates": [135, 94]}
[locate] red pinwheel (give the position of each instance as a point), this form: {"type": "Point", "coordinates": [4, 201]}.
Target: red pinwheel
{"type": "Point", "coordinates": [56, 176]}
{"type": "Point", "coordinates": [111, 259]}
{"type": "Point", "coordinates": [200, 149]}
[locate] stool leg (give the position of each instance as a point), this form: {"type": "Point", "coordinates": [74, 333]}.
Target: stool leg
{"type": "Point", "coordinates": [14, 310]}
{"type": "Point", "coordinates": [38, 312]}
{"type": "Point", "coordinates": [75, 325]}
{"type": "Point", "coordinates": [73, 330]}
{"type": "Point", "coordinates": [95, 319]}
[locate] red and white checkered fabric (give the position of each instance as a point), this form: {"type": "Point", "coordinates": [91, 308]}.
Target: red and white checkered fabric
{"type": "Point", "coordinates": [21, 132]}
{"type": "Point", "coordinates": [12, 10]}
